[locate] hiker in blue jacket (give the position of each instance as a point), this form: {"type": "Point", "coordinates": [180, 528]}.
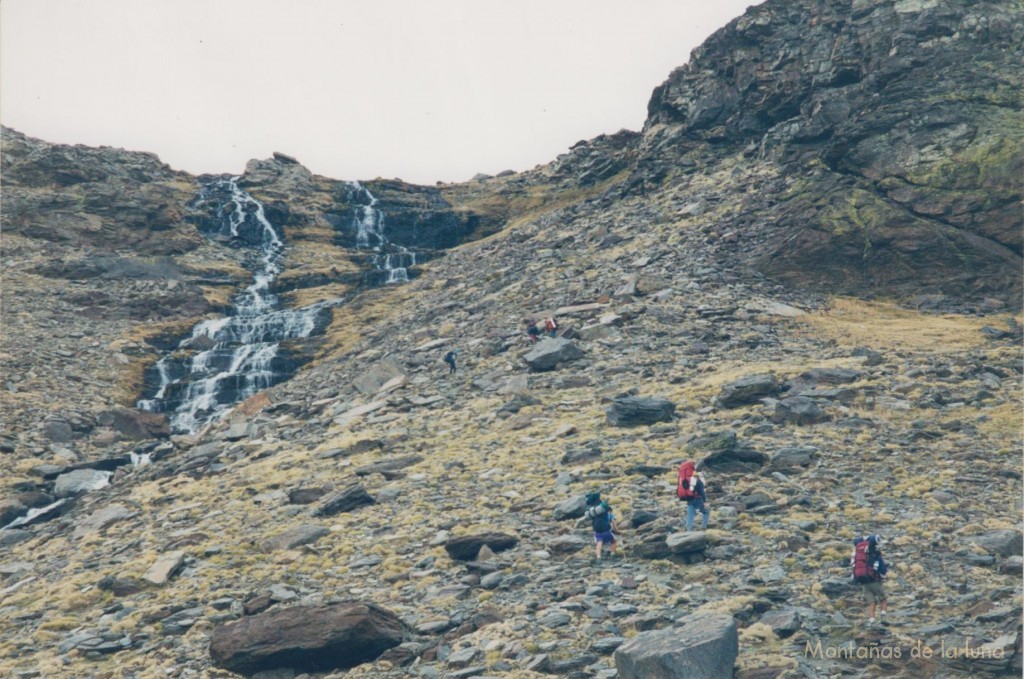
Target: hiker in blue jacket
{"type": "Point", "coordinates": [603, 522]}
{"type": "Point", "coordinates": [449, 358]}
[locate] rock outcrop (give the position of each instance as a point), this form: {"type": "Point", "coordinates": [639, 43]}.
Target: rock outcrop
{"type": "Point", "coordinates": [845, 98]}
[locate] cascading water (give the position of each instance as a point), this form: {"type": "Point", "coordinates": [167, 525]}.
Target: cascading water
{"type": "Point", "coordinates": [226, 360]}
{"type": "Point", "coordinates": [392, 260]}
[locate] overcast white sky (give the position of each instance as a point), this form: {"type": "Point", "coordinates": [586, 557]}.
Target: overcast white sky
{"type": "Point", "coordinates": [357, 89]}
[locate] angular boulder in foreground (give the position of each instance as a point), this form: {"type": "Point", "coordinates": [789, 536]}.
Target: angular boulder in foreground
{"type": "Point", "coordinates": [550, 352]}
{"type": "Point", "coordinates": [306, 638]}
{"type": "Point", "coordinates": [703, 647]}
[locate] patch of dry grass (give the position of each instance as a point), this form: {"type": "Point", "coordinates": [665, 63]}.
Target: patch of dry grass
{"type": "Point", "coordinates": [888, 327]}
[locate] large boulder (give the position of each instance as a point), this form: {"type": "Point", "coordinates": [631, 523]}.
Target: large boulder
{"type": "Point", "coordinates": [10, 510]}
{"type": "Point", "coordinates": [793, 457]}
{"type": "Point", "coordinates": [631, 411]}
{"type": "Point", "coordinates": [550, 352]}
{"type": "Point", "coordinates": [58, 431]}
{"type": "Point", "coordinates": [135, 424]}
{"type": "Point", "coordinates": [749, 389]}
{"type": "Point", "coordinates": [573, 508]}
{"type": "Point", "coordinates": [725, 453]}
{"type": "Point", "coordinates": [344, 500]}
{"type": "Point", "coordinates": [784, 621]}
{"type": "Point", "coordinates": [1001, 542]}
{"type": "Point", "coordinates": [466, 547]}
{"type": "Point", "coordinates": [293, 537]}
{"type": "Point", "coordinates": [827, 376]}
{"type": "Point", "coordinates": [799, 410]}
{"type": "Point", "coordinates": [306, 638]}
{"type": "Point", "coordinates": [165, 567]}
{"type": "Point", "coordinates": [687, 543]}
{"type": "Point", "coordinates": [704, 646]}
{"type": "Point", "coordinates": [80, 481]}
{"type": "Point", "coordinates": [379, 374]}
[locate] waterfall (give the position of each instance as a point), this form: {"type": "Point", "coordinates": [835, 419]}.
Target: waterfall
{"type": "Point", "coordinates": [239, 354]}
{"type": "Point", "coordinates": [392, 260]}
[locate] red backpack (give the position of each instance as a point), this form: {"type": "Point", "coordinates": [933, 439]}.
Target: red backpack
{"type": "Point", "coordinates": [683, 489]}
{"type": "Point", "coordinates": [862, 563]}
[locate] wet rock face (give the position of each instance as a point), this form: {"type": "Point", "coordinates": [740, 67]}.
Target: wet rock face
{"type": "Point", "coordinates": [853, 92]}
{"type": "Point", "coordinates": [416, 216]}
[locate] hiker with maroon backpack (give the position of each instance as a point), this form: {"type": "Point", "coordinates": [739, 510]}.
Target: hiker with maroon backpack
{"type": "Point", "coordinates": [869, 570]}
{"type": "Point", "coordinates": [691, 487]}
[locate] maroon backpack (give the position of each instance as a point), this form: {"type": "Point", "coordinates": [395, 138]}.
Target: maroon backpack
{"type": "Point", "coordinates": [862, 563]}
{"type": "Point", "coordinates": [683, 489]}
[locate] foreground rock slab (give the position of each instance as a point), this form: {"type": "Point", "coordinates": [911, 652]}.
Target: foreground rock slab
{"type": "Point", "coordinates": [306, 638]}
{"type": "Point", "coordinates": [703, 647]}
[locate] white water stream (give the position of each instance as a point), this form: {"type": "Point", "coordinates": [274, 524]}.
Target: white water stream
{"type": "Point", "coordinates": [369, 223]}
{"type": "Point", "coordinates": [244, 347]}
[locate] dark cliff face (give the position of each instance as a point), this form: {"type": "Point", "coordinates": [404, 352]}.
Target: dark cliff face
{"type": "Point", "coordinates": [97, 197]}
{"type": "Point", "coordinates": [895, 125]}
{"type": "Point", "coordinates": [415, 216]}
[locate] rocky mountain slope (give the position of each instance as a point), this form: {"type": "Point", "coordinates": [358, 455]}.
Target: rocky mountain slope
{"type": "Point", "coordinates": [807, 150]}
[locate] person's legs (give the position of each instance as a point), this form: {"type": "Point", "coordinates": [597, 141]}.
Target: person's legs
{"type": "Point", "coordinates": [691, 511]}
{"type": "Point", "coordinates": [706, 514]}
{"type": "Point", "coordinates": [597, 546]}
{"type": "Point", "coordinates": [875, 597]}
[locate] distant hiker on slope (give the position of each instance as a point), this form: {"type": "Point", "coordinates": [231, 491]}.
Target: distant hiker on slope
{"type": "Point", "coordinates": [532, 331]}
{"type": "Point", "coordinates": [449, 358]}
{"type": "Point", "coordinates": [691, 487]}
{"type": "Point", "coordinates": [550, 327]}
{"type": "Point", "coordinates": [603, 522]}
{"type": "Point", "coordinates": [869, 570]}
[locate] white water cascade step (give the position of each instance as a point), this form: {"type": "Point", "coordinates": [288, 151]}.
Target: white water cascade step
{"type": "Point", "coordinates": [246, 355]}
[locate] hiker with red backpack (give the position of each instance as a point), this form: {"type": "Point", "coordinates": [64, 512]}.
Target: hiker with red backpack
{"type": "Point", "coordinates": [869, 570]}
{"type": "Point", "coordinates": [691, 487]}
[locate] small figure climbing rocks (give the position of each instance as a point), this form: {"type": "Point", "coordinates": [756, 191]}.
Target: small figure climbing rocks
{"type": "Point", "coordinates": [602, 520]}
{"type": "Point", "coordinates": [449, 358]}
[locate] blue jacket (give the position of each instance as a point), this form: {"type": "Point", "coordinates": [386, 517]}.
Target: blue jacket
{"type": "Point", "coordinates": [701, 496]}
